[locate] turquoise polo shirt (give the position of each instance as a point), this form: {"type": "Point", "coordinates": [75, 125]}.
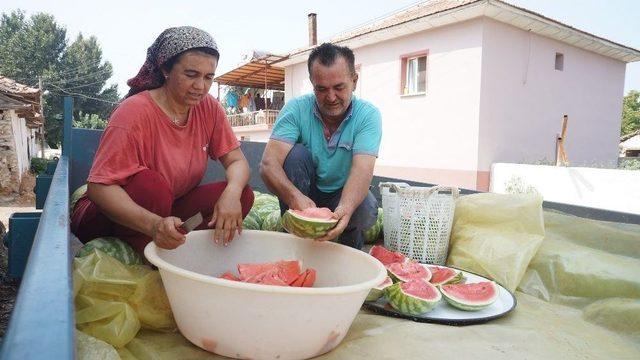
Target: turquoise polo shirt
{"type": "Point", "coordinates": [360, 132]}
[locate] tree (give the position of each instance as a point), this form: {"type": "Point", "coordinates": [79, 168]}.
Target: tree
{"type": "Point", "coordinates": [36, 48]}
{"type": "Point", "coordinates": [87, 121]}
{"type": "Point", "coordinates": [631, 112]}
{"type": "Point", "coordinates": [28, 48]}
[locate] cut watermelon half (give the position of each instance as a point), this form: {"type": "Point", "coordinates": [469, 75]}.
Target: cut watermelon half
{"type": "Point", "coordinates": [414, 297]}
{"type": "Point", "coordinates": [386, 257]}
{"type": "Point", "coordinates": [407, 271]}
{"type": "Point", "coordinates": [309, 223]}
{"type": "Point", "coordinates": [377, 292]}
{"type": "Point", "coordinates": [471, 297]}
{"type": "Point", "coordinates": [444, 275]}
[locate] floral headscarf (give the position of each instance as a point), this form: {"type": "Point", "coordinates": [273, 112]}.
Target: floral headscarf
{"type": "Point", "coordinates": [170, 43]}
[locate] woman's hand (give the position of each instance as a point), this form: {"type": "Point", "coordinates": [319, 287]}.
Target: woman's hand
{"type": "Point", "coordinates": [165, 234]}
{"type": "Point", "coordinates": [227, 217]}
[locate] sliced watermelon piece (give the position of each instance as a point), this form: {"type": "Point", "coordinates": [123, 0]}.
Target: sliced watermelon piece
{"type": "Point", "coordinates": [287, 270]}
{"type": "Point", "coordinates": [444, 275]}
{"type": "Point", "coordinates": [471, 297]}
{"type": "Point", "coordinates": [229, 276]}
{"type": "Point", "coordinates": [310, 278]}
{"type": "Point", "coordinates": [309, 223]}
{"type": "Point", "coordinates": [408, 270]}
{"type": "Point", "coordinates": [271, 277]}
{"type": "Point", "coordinates": [377, 292]}
{"type": "Point", "coordinates": [386, 257]}
{"type": "Point", "coordinates": [414, 297]}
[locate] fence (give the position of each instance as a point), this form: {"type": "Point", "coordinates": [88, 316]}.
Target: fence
{"type": "Point", "coordinates": [260, 117]}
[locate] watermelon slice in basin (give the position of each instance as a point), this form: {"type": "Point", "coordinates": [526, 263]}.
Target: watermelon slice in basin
{"type": "Point", "coordinates": [471, 297]}
{"type": "Point", "coordinates": [309, 223]}
{"type": "Point", "coordinates": [414, 297]}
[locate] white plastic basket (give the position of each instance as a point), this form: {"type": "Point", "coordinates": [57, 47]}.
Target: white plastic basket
{"type": "Point", "coordinates": [417, 220]}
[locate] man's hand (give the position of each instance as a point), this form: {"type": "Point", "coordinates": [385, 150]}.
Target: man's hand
{"type": "Point", "coordinates": [165, 234]}
{"type": "Point", "coordinates": [227, 218]}
{"type": "Point", "coordinates": [343, 217]}
{"type": "Point", "coordinates": [301, 202]}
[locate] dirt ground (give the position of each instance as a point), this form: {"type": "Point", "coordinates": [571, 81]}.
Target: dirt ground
{"type": "Point", "coordinates": [10, 203]}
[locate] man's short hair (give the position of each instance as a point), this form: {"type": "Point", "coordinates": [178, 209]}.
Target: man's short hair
{"type": "Point", "coordinates": [328, 53]}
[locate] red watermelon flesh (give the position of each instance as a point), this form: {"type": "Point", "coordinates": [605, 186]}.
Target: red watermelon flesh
{"type": "Point", "coordinates": [386, 257]}
{"type": "Point", "coordinates": [315, 213]}
{"type": "Point", "coordinates": [420, 289]}
{"type": "Point", "coordinates": [287, 270]}
{"type": "Point", "coordinates": [473, 293]}
{"type": "Point", "coordinates": [408, 270]}
{"type": "Point", "coordinates": [270, 277]}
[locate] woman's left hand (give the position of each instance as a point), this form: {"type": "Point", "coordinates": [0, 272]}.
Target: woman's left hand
{"type": "Point", "coordinates": [227, 218]}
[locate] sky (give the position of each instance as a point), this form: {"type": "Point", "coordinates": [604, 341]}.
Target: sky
{"type": "Point", "coordinates": [125, 29]}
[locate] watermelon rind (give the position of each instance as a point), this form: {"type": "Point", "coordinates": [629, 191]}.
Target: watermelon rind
{"type": "Point", "coordinates": [378, 291]}
{"type": "Point", "coordinates": [458, 278]}
{"type": "Point", "coordinates": [305, 227]}
{"type": "Point", "coordinates": [250, 223]}
{"type": "Point", "coordinates": [467, 305]}
{"type": "Point", "coordinates": [113, 247]}
{"type": "Point", "coordinates": [409, 304]}
{"type": "Point", "coordinates": [397, 277]}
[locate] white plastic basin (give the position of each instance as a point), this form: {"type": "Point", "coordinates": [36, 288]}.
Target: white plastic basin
{"type": "Point", "coordinates": [253, 321]}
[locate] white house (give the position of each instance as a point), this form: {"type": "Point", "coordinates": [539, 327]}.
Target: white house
{"type": "Point", "coordinates": [465, 84]}
{"type": "Point", "coordinates": [20, 131]}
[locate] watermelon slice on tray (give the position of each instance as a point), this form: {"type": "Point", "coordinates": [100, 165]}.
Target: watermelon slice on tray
{"type": "Point", "coordinates": [456, 303]}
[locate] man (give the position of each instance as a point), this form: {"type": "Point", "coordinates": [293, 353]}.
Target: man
{"type": "Point", "coordinates": [324, 145]}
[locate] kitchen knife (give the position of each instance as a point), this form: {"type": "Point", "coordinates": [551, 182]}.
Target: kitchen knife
{"type": "Point", "coordinates": [190, 224]}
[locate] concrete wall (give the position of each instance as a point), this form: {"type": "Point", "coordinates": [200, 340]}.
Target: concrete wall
{"type": "Point", "coordinates": [256, 133]}
{"type": "Point", "coordinates": [431, 137]}
{"type": "Point", "coordinates": [609, 189]}
{"type": "Point", "coordinates": [524, 98]}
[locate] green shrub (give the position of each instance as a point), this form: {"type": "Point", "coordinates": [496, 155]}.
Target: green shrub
{"type": "Point", "coordinates": [38, 165]}
{"type": "Point", "coordinates": [629, 164]}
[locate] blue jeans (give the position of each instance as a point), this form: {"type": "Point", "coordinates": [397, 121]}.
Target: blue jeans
{"type": "Point", "coordinates": [301, 172]}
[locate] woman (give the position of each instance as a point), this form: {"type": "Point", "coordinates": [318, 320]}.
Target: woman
{"type": "Point", "coordinates": [154, 152]}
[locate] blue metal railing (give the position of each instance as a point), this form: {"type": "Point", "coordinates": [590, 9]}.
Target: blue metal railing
{"type": "Point", "coordinates": [42, 322]}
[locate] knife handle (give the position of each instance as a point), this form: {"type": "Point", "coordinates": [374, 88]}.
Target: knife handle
{"type": "Point", "coordinates": [181, 230]}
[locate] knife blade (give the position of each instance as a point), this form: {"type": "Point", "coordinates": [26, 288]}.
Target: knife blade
{"type": "Point", "coordinates": [190, 224]}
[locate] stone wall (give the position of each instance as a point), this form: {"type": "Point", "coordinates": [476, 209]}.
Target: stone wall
{"type": "Point", "coordinates": [9, 170]}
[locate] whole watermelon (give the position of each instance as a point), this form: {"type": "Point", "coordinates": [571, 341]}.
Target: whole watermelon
{"type": "Point", "coordinates": [273, 222]}
{"type": "Point", "coordinates": [263, 206]}
{"type": "Point", "coordinates": [113, 247]}
{"type": "Point", "coordinates": [373, 233]}
{"type": "Point", "coordinates": [76, 195]}
{"type": "Point", "coordinates": [250, 223]}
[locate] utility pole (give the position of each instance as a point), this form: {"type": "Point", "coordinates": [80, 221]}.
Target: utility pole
{"type": "Point", "coordinates": [42, 116]}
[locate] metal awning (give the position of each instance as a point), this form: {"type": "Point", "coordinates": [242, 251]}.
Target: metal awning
{"type": "Point", "coordinates": [259, 73]}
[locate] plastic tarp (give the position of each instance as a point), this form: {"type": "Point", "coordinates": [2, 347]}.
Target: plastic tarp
{"type": "Point", "coordinates": [578, 297]}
